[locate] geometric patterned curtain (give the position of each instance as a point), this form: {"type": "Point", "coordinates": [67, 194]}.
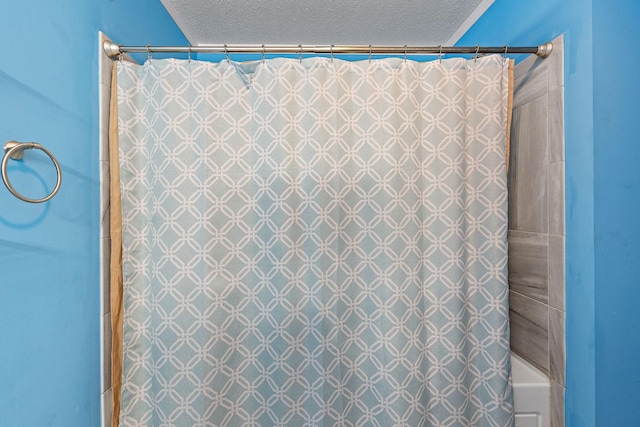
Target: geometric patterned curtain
{"type": "Point", "coordinates": [315, 243]}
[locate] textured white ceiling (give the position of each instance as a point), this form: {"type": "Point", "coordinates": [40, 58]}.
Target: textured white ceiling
{"type": "Point", "coordinates": [399, 22]}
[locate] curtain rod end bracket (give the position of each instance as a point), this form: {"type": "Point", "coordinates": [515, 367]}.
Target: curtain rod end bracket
{"type": "Point", "coordinates": [111, 49]}
{"type": "Point", "coordinates": [544, 50]}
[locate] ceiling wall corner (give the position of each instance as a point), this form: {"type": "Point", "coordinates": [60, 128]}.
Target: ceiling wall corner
{"type": "Point", "coordinates": [468, 23]}
{"type": "Point", "coordinates": [180, 22]}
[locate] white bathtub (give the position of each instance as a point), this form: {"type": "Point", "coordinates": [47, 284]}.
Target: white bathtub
{"type": "Point", "coordinates": [531, 391]}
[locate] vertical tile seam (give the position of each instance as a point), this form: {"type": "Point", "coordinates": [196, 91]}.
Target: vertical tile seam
{"type": "Point", "coordinates": [548, 196]}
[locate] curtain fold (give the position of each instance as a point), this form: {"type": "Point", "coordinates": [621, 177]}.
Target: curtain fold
{"type": "Point", "coordinates": [314, 243]}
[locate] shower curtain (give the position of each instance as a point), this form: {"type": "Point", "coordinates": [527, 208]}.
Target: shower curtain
{"type": "Point", "coordinates": [314, 243]}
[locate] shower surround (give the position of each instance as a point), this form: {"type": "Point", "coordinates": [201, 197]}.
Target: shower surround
{"type": "Point", "coordinates": [535, 80]}
{"type": "Point", "coordinates": [537, 220]}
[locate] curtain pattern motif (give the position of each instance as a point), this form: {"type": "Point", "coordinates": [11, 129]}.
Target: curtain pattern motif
{"type": "Point", "coordinates": [315, 243]}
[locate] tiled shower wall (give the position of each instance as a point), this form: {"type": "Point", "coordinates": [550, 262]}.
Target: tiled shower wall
{"type": "Point", "coordinates": [536, 220]}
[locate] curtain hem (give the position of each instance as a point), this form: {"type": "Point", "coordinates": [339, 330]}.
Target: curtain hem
{"type": "Point", "coordinates": [116, 253]}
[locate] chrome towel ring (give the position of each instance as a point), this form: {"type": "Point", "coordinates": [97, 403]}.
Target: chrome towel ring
{"type": "Point", "coordinates": [15, 150]}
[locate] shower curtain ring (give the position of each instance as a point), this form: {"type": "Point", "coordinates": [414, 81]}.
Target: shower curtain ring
{"type": "Point", "coordinates": [226, 52]}
{"type": "Point", "coordinates": [149, 53]}
{"type": "Point", "coordinates": [300, 53]}
{"type": "Point", "coordinates": [263, 51]}
{"type": "Point", "coordinates": [475, 56]}
{"type": "Point", "coordinates": [332, 54]}
{"type": "Point", "coordinates": [440, 54]}
{"type": "Point", "coordinates": [189, 53]}
{"type": "Point", "coordinates": [370, 49]}
{"type": "Point", "coordinates": [405, 53]}
{"type": "Point", "coordinates": [505, 51]}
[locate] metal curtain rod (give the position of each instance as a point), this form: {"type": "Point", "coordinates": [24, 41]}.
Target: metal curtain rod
{"type": "Point", "coordinates": [114, 49]}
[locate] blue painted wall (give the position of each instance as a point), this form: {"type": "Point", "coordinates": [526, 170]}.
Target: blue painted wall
{"type": "Point", "coordinates": [49, 254]}
{"type": "Point", "coordinates": [49, 295]}
{"type": "Point", "coordinates": [531, 23]}
{"type": "Point", "coordinates": [616, 88]}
